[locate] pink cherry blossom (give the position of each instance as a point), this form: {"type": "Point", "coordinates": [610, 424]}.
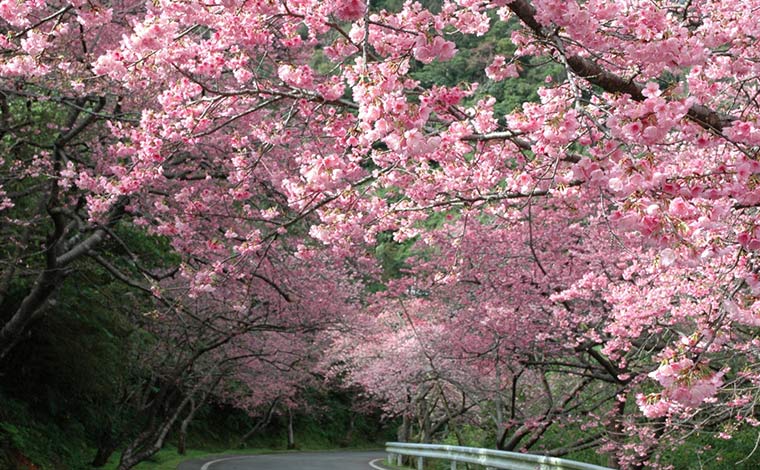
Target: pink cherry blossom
{"type": "Point", "coordinates": [438, 49]}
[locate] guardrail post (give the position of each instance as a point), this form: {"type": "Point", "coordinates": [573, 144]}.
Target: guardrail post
{"type": "Point", "coordinates": [390, 458]}
{"type": "Point", "coordinates": [399, 460]}
{"type": "Point", "coordinates": [420, 463]}
{"type": "Point", "coordinates": [453, 465]}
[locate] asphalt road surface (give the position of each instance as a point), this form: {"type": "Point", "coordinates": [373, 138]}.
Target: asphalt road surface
{"type": "Point", "coordinates": [289, 461]}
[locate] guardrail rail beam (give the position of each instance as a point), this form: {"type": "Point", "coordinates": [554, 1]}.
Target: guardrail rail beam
{"type": "Point", "coordinates": [490, 458]}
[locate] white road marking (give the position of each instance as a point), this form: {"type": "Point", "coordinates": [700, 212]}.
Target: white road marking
{"type": "Point", "coordinates": [208, 465]}
{"type": "Point", "coordinates": [371, 464]}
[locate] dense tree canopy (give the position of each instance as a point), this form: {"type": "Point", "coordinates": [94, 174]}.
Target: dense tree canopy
{"type": "Point", "coordinates": [588, 253]}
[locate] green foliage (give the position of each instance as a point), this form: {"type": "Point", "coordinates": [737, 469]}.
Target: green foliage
{"type": "Point", "coordinates": [69, 374]}
{"type": "Point", "coordinates": [395, 5]}
{"type": "Point", "coordinates": [78, 347]}
{"type": "Point", "coordinates": [475, 54]}
{"type": "Point", "coordinates": [152, 251]}
{"type": "Point", "coordinates": [50, 445]}
{"type": "Point", "coordinates": [165, 459]}
{"type": "Point", "coordinates": [67, 445]}
{"type": "Point", "coordinates": [471, 436]}
{"type": "Point", "coordinates": [706, 450]}
{"type": "Point", "coordinates": [392, 254]}
{"type": "Point", "coordinates": [327, 421]}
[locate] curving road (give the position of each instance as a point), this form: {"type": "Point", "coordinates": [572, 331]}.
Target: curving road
{"type": "Point", "coordinates": [289, 461]}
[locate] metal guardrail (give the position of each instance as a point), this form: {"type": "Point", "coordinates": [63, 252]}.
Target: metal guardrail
{"type": "Point", "coordinates": [486, 457]}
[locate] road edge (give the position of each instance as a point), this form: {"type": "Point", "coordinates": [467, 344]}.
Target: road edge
{"type": "Point", "coordinates": [379, 464]}
{"type": "Point", "coordinates": [205, 462]}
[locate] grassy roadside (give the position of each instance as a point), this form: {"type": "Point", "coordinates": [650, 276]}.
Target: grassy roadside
{"type": "Point", "coordinates": [390, 466]}
{"type": "Point", "coordinates": [168, 458]}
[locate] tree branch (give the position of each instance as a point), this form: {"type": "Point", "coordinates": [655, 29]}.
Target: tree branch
{"type": "Point", "coordinates": [608, 81]}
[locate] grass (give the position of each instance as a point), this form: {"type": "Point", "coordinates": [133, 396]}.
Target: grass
{"type": "Point", "coordinates": [168, 458]}
{"type": "Point", "coordinates": [391, 466]}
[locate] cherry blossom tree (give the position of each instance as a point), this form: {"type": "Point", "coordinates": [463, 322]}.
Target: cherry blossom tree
{"type": "Point", "coordinates": [203, 347]}
{"type": "Point", "coordinates": [609, 226]}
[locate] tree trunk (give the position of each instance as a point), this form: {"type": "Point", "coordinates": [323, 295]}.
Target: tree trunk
{"type": "Point", "coordinates": [106, 444]}
{"type": "Point", "coordinates": [402, 435]}
{"type": "Point", "coordinates": [616, 434]}
{"type": "Point", "coordinates": [426, 424]}
{"type": "Point", "coordinates": [44, 287]}
{"type": "Point", "coordinates": [182, 439]}
{"type": "Point", "coordinates": [405, 429]}
{"type": "Point", "coordinates": [59, 254]}
{"type": "Point", "coordinates": [261, 423]}
{"type": "Point", "coordinates": [103, 454]}
{"type": "Point", "coordinates": [350, 432]}
{"type": "Point", "coordinates": [291, 433]}
{"type": "Point", "coordinates": [150, 441]}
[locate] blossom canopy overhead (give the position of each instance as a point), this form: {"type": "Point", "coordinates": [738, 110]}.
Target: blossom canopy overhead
{"type": "Point", "coordinates": [613, 219]}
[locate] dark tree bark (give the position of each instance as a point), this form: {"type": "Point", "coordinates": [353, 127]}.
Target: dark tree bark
{"type": "Point", "coordinates": [152, 439]}
{"type": "Point", "coordinates": [607, 80]}
{"type": "Point", "coordinates": [182, 438]}
{"type": "Point", "coordinates": [262, 423]}
{"type": "Point", "coordinates": [106, 447]}
{"type": "Point", "coordinates": [291, 431]}
{"type": "Point", "coordinates": [59, 254]}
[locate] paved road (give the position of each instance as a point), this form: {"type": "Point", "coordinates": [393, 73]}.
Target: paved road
{"type": "Point", "coordinates": [288, 461]}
